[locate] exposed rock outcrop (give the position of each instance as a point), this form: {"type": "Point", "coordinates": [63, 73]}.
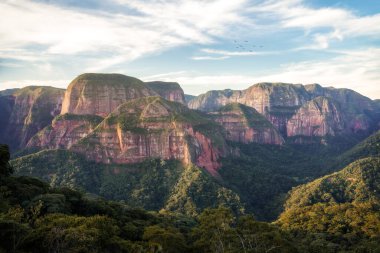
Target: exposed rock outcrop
{"type": "Point", "coordinates": [276, 101]}
{"type": "Point", "coordinates": [65, 131]}
{"type": "Point", "coordinates": [100, 94]}
{"type": "Point", "coordinates": [34, 108]}
{"type": "Point", "coordinates": [318, 117]}
{"type": "Point", "coordinates": [169, 90]}
{"type": "Point", "coordinates": [154, 127]}
{"type": "Point", "coordinates": [244, 124]}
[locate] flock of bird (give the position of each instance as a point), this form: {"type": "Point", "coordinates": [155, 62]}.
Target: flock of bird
{"type": "Point", "coordinates": [245, 45]}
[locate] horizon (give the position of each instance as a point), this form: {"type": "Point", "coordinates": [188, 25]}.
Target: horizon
{"type": "Point", "coordinates": [237, 44]}
{"type": "Point", "coordinates": [243, 88]}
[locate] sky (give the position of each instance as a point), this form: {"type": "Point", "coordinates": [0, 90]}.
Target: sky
{"type": "Point", "coordinates": [201, 44]}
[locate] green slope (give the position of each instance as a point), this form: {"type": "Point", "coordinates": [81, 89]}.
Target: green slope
{"type": "Point", "coordinates": [154, 184]}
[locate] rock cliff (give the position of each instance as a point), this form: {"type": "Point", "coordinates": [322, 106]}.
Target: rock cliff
{"type": "Point", "coordinates": [154, 127]}
{"type": "Point", "coordinates": [33, 109]}
{"type": "Point", "coordinates": [318, 117]}
{"type": "Point", "coordinates": [65, 131]}
{"type": "Point", "coordinates": [100, 94]}
{"type": "Point", "coordinates": [169, 90]}
{"type": "Point", "coordinates": [244, 124]}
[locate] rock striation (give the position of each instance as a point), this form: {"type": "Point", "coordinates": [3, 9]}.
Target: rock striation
{"type": "Point", "coordinates": [169, 90]}
{"type": "Point", "coordinates": [100, 94]}
{"type": "Point", "coordinates": [33, 108]}
{"type": "Point", "coordinates": [154, 127]}
{"type": "Point", "coordinates": [291, 105]}
{"type": "Point", "coordinates": [318, 117]}
{"type": "Point", "coordinates": [244, 124]}
{"type": "Point", "coordinates": [65, 131]}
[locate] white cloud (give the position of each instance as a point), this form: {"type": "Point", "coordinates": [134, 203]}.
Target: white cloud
{"type": "Point", "coordinates": [232, 53]}
{"type": "Point", "coordinates": [212, 58]}
{"type": "Point", "coordinates": [341, 23]}
{"type": "Point", "coordinates": [357, 70]}
{"type": "Point", "coordinates": [53, 31]}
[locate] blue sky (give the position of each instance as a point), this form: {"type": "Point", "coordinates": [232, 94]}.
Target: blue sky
{"type": "Point", "coordinates": [202, 44]}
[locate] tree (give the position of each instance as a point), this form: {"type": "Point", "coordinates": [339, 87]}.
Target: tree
{"type": "Point", "coordinates": [214, 232]}
{"type": "Point", "coordinates": [170, 238]}
{"type": "Point", "coordinates": [5, 168]}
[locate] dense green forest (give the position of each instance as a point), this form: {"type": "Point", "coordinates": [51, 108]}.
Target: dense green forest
{"type": "Point", "coordinates": [37, 217]}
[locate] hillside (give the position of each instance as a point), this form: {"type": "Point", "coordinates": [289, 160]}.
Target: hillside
{"type": "Point", "coordinates": [343, 207]}
{"type": "Point", "coordinates": [153, 184]}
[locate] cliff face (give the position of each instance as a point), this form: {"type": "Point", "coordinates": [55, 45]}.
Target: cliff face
{"type": "Point", "coordinates": [264, 97]}
{"type": "Point", "coordinates": [169, 90]}
{"type": "Point", "coordinates": [154, 127]}
{"type": "Point", "coordinates": [100, 94]}
{"type": "Point", "coordinates": [244, 124]}
{"type": "Point", "coordinates": [294, 106]}
{"type": "Point", "coordinates": [34, 108]}
{"type": "Point", "coordinates": [318, 117]}
{"type": "Point", "coordinates": [6, 106]}
{"type": "Point", "coordinates": [65, 131]}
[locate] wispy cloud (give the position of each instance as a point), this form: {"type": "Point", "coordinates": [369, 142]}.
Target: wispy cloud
{"type": "Point", "coordinates": [54, 31]}
{"type": "Point", "coordinates": [212, 58]}
{"type": "Point", "coordinates": [357, 70]}
{"type": "Point", "coordinates": [341, 23]}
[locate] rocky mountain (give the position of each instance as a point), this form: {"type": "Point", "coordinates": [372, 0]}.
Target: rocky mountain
{"type": "Point", "coordinates": [244, 124]}
{"type": "Point", "coordinates": [169, 90]}
{"type": "Point", "coordinates": [65, 131]}
{"type": "Point", "coordinates": [318, 117]}
{"type": "Point", "coordinates": [100, 94]}
{"type": "Point", "coordinates": [296, 110]}
{"type": "Point", "coordinates": [154, 127]}
{"type": "Point", "coordinates": [8, 92]}
{"type": "Point", "coordinates": [29, 110]}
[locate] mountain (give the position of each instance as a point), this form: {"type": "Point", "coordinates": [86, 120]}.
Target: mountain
{"type": "Point", "coordinates": [155, 127]}
{"type": "Point", "coordinates": [244, 124]}
{"type": "Point", "coordinates": [29, 110]}
{"type": "Point", "coordinates": [320, 116]}
{"type": "Point", "coordinates": [8, 92]}
{"type": "Point", "coordinates": [297, 110]}
{"type": "Point", "coordinates": [100, 94]}
{"type": "Point", "coordinates": [189, 97]}
{"type": "Point", "coordinates": [343, 203]}
{"type": "Point", "coordinates": [168, 90]}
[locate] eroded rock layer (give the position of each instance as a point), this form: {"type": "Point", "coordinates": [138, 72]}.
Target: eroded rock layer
{"type": "Point", "coordinates": [100, 94]}
{"type": "Point", "coordinates": [65, 131]}
{"type": "Point", "coordinates": [33, 109]}
{"type": "Point", "coordinates": [244, 124]}
{"type": "Point", "coordinates": [154, 127]}
{"type": "Point", "coordinates": [169, 90]}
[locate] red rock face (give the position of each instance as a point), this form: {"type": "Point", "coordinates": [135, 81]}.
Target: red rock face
{"type": "Point", "coordinates": [33, 109]}
{"type": "Point", "coordinates": [155, 135]}
{"type": "Point", "coordinates": [169, 90]}
{"type": "Point", "coordinates": [64, 132]}
{"type": "Point", "coordinates": [319, 117]}
{"type": "Point", "coordinates": [100, 94]}
{"type": "Point", "coordinates": [244, 124]}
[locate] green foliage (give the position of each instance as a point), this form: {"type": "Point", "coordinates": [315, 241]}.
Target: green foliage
{"type": "Point", "coordinates": [170, 239]}
{"type": "Point", "coordinates": [153, 184]}
{"type": "Point", "coordinates": [94, 120]}
{"type": "Point", "coordinates": [5, 168]}
{"type": "Point", "coordinates": [60, 168]}
{"type": "Point", "coordinates": [358, 182]}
